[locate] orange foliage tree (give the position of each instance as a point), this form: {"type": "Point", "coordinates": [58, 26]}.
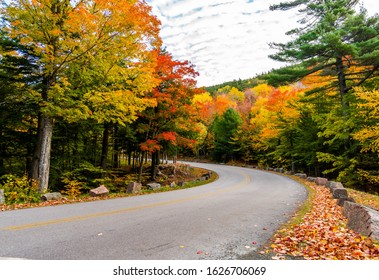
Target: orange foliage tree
{"type": "Point", "coordinates": [165, 124]}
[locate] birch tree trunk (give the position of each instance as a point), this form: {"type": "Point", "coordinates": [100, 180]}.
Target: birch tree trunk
{"type": "Point", "coordinates": [34, 172]}
{"type": "Point", "coordinates": [45, 151]}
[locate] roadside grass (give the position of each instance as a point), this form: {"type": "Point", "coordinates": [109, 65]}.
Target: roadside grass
{"type": "Point", "coordinates": [367, 199]}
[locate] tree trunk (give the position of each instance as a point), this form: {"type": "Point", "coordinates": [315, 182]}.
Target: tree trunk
{"type": "Point", "coordinates": [45, 151]}
{"type": "Point", "coordinates": [2, 153]}
{"type": "Point", "coordinates": [116, 156]}
{"type": "Point", "coordinates": [94, 150]}
{"type": "Point", "coordinates": [343, 90]}
{"type": "Point", "coordinates": [105, 147]}
{"type": "Point", "coordinates": [34, 171]}
{"type": "Point", "coordinates": [154, 164]}
{"type": "Point", "coordinates": [342, 84]}
{"type": "Point", "coordinates": [140, 169]}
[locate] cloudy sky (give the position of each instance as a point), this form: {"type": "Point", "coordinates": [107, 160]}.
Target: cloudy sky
{"type": "Point", "coordinates": [226, 39]}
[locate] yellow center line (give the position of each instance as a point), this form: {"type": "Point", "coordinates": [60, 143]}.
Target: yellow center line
{"type": "Point", "coordinates": [244, 183]}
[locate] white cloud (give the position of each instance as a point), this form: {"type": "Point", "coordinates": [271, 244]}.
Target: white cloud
{"type": "Point", "coordinates": [225, 39]}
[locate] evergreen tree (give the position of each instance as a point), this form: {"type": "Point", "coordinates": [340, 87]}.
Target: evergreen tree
{"type": "Point", "coordinates": [225, 129]}
{"type": "Point", "coordinates": [340, 45]}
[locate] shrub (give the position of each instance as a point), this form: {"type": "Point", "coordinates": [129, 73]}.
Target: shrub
{"type": "Point", "coordinates": [86, 175]}
{"type": "Point", "coordinates": [19, 189]}
{"type": "Point", "coordinates": [72, 188]}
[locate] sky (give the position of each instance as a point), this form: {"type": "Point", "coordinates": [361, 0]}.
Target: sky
{"type": "Point", "coordinates": [226, 39]}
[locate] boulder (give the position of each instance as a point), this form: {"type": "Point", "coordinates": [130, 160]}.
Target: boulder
{"type": "Point", "coordinates": [180, 184]}
{"type": "Point", "coordinates": [288, 173]}
{"type": "Point", "coordinates": [341, 201]}
{"type": "Point", "coordinates": [134, 188]}
{"type": "Point", "coordinates": [334, 185]}
{"type": "Point", "coordinates": [154, 186]}
{"type": "Point", "coordinates": [2, 197]}
{"type": "Point", "coordinates": [311, 179]}
{"type": "Point", "coordinates": [207, 175]}
{"type": "Point", "coordinates": [321, 181]}
{"type": "Point", "coordinates": [100, 191]}
{"type": "Point", "coordinates": [362, 219]}
{"type": "Point", "coordinates": [173, 185]}
{"type": "Point", "coordinates": [340, 193]}
{"type": "Point", "coordinates": [301, 175]}
{"type": "Point", "coordinates": [51, 196]}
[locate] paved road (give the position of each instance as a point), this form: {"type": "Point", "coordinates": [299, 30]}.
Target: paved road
{"type": "Point", "coordinates": [220, 220]}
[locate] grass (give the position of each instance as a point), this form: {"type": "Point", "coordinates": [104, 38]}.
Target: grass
{"type": "Point", "coordinates": [367, 199]}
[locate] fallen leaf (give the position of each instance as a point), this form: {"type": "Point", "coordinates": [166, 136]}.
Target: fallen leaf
{"type": "Point", "coordinates": [199, 252]}
{"type": "Point", "coordinates": [323, 234]}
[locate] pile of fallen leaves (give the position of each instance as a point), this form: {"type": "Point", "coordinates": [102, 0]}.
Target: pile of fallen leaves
{"type": "Point", "coordinates": [323, 235]}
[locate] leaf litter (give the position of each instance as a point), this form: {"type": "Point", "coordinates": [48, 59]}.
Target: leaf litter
{"type": "Point", "coordinates": [323, 235]}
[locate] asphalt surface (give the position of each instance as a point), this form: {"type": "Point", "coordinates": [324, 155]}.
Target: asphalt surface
{"type": "Point", "coordinates": [227, 219]}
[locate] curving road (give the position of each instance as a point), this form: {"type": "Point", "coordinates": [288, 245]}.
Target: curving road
{"type": "Point", "coordinates": [226, 219]}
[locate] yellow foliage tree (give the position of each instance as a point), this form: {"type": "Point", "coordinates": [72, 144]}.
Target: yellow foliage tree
{"type": "Point", "coordinates": [87, 51]}
{"type": "Point", "coordinates": [368, 108]}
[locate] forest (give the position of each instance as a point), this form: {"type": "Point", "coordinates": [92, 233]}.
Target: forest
{"type": "Point", "coordinates": [87, 90]}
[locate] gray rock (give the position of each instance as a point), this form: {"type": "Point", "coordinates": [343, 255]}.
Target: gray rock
{"type": "Point", "coordinates": [173, 185]}
{"type": "Point", "coordinates": [51, 196]}
{"type": "Point", "coordinates": [340, 193]}
{"type": "Point", "coordinates": [2, 197]}
{"type": "Point", "coordinates": [288, 173]}
{"type": "Point", "coordinates": [341, 201]}
{"type": "Point", "coordinates": [207, 175]}
{"type": "Point", "coordinates": [100, 191]}
{"type": "Point", "coordinates": [154, 186]}
{"type": "Point", "coordinates": [321, 181]}
{"type": "Point", "coordinates": [301, 175]}
{"type": "Point", "coordinates": [134, 188]}
{"type": "Point", "coordinates": [334, 185]}
{"type": "Point", "coordinates": [362, 219]}
{"type": "Point", "coordinates": [311, 179]}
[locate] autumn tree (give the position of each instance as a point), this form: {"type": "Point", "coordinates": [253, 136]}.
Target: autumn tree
{"type": "Point", "coordinates": [165, 123]}
{"type": "Point", "coordinates": [113, 38]}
